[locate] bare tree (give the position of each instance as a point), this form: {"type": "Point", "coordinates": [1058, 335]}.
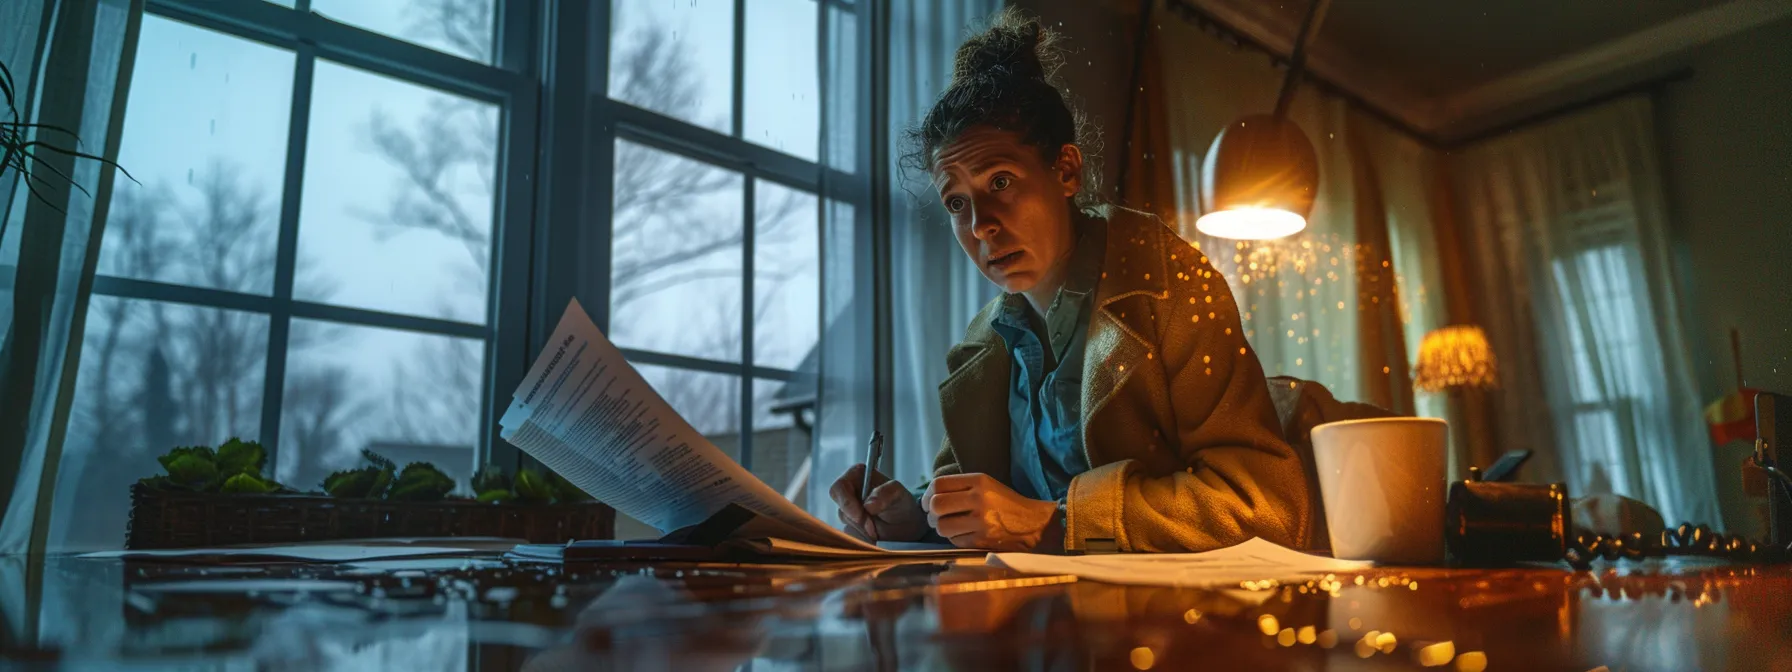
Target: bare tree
{"type": "Point", "coordinates": [661, 237]}
{"type": "Point", "coordinates": [156, 375]}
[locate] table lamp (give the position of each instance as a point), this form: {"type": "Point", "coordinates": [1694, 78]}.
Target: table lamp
{"type": "Point", "coordinates": [1456, 357]}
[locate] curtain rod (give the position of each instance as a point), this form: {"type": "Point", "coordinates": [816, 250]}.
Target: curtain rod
{"type": "Point", "coordinates": [1203, 19]}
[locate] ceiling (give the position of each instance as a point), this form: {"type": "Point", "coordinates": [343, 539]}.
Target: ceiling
{"type": "Point", "coordinates": [1440, 64]}
{"type": "Point", "coordinates": [1443, 47]}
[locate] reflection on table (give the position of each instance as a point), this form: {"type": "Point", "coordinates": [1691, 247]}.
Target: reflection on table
{"type": "Point", "coordinates": [481, 611]}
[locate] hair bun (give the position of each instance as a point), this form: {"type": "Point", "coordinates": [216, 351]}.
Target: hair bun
{"type": "Point", "coordinates": [1009, 50]}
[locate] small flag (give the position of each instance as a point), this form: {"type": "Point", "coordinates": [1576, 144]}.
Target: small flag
{"type": "Point", "coordinates": [1732, 418]}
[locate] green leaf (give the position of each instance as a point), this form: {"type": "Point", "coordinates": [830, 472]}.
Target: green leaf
{"type": "Point", "coordinates": [168, 459]}
{"type": "Point", "coordinates": [247, 484]}
{"type": "Point", "coordinates": [532, 487]}
{"type": "Point", "coordinates": [421, 481]}
{"type": "Point", "coordinates": [237, 456]}
{"type": "Point", "coordinates": [489, 478]}
{"type": "Point", "coordinates": [193, 471]}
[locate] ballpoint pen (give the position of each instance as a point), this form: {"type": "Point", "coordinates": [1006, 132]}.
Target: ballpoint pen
{"type": "Point", "coordinates": [874, 451]}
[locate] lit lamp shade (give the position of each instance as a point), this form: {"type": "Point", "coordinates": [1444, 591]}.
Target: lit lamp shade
{"type": "Point", "coordinates": [1454, 358]}
{"type": "Point", "coordinates": [1259, 180]}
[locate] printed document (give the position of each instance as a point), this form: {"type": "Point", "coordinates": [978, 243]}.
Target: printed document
{"type": "Point", "coordinates": [1253, 560]}
{"type": "Point", "coordinates": [584, 412]}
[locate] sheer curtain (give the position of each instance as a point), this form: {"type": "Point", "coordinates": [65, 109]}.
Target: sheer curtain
{"type": "Point", "coordinates": [71, 65]}
{"type": "Point", "coordinates": [934, 290]}
{"type": "Point", "coordinates": [1343, 302]}
{"type": "Point", "coordinates": [1569, 230]}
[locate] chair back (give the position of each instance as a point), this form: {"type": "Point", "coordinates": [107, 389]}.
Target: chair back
{"type": "Point", "coordinates": [1302, 405]}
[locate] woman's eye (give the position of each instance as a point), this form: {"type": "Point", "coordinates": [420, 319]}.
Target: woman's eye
{"type": "Point", "coordinates": [1001, 182]}
{"type": "Point", "coordinates": [954, 204]}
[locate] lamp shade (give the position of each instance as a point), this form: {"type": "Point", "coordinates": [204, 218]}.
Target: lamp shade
{"type": "Point", "coordinates": [1258, 180]}
{"type": "Point", "coordinates": [1455, 357]}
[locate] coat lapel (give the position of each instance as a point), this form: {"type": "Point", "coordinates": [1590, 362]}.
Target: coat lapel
{"type": "Point", "coordinates": [974, 398]}
{"type": "Point", "coordinates": [1119, 342]}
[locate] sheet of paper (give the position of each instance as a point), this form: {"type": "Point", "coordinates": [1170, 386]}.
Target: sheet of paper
{"type": "Point", "coordinates": [588, 415]}
{"type": "Point", "coordinates": [305, 552]}
{"type": "Point", "coordinates": [797, 549]}
{"type": "Point", "coordinates": [1253, 560]}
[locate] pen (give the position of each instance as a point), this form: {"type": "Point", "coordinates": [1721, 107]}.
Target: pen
{"type": "Point", "coordinates": [874, 450]}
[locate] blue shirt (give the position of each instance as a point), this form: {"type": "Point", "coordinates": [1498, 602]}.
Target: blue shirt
{"type": "Point", "coordinates": [1045, 398]}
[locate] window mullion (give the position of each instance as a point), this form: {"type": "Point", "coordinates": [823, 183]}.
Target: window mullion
{"type": "Point", "coordinates": [748, 227]}
{"type": "Point", "coordinates": [286, 253]}
{"type": "Point", "coordinates": [740, 67]}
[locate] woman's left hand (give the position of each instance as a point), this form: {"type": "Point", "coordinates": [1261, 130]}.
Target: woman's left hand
{"type": "Point", "coordinates": [977, 511]}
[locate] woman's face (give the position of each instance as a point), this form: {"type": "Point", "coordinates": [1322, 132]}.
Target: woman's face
{"type": "Point", "coordinates": [1009, 208]}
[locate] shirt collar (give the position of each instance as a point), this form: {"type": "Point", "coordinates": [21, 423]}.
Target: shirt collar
{"type": "Point", "coordinates": [1080, 282]}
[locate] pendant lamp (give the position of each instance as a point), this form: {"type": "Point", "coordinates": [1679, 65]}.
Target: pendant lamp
{"type": "Point", "coordinates": [1261, 175]}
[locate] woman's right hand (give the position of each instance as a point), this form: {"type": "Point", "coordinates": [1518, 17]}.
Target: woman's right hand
{"type": "Point", "coordinates": [891, 513]}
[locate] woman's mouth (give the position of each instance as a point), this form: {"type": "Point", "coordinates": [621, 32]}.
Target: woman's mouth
{"type": "Point", "coordinates": [1001, 262]}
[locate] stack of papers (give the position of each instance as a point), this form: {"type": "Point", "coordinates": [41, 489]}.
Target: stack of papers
{"type": "Point", "coordinates": [1253, 560]}
{"type": "Point", "coordinates": [584, 412]}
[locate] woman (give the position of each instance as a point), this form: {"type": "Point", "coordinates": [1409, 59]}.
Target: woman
{"type": "Point", "coordinates": [1108, 399]}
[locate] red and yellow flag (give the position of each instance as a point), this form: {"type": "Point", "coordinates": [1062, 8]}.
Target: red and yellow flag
{"type": "Point", "coordinates": [1732, 418]}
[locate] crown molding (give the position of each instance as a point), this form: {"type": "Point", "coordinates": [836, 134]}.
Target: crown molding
{"type": "Point", "coordinates": [1595, 65]}
{"type": "Point", "coordinates": [1565, 80]}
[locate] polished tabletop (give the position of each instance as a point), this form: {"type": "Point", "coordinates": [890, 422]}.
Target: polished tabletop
{"type": "Point", "coordinates": [486, 613]}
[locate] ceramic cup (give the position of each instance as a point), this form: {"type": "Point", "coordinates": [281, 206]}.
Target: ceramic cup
{"type": "Point", "coordinates": [1383, 484]}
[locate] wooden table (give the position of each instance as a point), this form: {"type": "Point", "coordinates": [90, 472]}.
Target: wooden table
{"type": "Point", "coordinates": [486, 614]}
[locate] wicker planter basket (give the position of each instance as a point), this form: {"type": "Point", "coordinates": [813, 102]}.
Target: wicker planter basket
{"type": "Point", "coordinates": [187, 520]}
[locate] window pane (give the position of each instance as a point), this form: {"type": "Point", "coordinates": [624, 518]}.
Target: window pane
{"type": "Point", "coordinates": [405, 395]}
{"type": "Point", "coordinates": [782, 100]}
{"type": "Point", "coordinates": [205, 134]}
{"type": "Point", "coordinates": [842, 99]}
{"type": "Point", "coordinates": [786, 276]}
{"type": "Point", "coordinates": [459, 27]}
{"type": "Point", "coordinates": [675, 58]}
{"type": "Point", "coordinates": [676, 255]}
{"type": "Point", "coordinates": [397, 211]}
{"type": "Point", "coordinates": [153, 376]}
{"type": "Point", "coordinates": [780, 443]}
{"type": "Point", "coordinates": [709, 401]}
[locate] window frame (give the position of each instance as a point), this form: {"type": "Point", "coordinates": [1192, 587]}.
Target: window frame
{"type": "Point", "coordinates": [617, 121]}
{"type": "Point", "coordinates": [509, 84]}
{"type": "Point", "coordinates": [550, 236]}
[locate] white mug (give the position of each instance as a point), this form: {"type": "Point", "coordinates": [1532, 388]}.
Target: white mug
{"type": "Point", "coordinates": [1383, 484]}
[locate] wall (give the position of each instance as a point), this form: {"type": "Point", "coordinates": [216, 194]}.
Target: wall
{"type": "Point", "coordinates": [1727, 146]}
{"type": "Point", "coordinates": [1099, 37]}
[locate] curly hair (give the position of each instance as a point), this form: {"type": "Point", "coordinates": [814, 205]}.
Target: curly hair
{"type": "Point", "coordinates": [1005, 77]}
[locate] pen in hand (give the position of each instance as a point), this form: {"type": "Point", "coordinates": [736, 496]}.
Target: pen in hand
{"type": "Point", "coordinates": [873, 453]}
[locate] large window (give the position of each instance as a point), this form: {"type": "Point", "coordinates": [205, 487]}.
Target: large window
{"type": "Point", "coordinates": [723, 160]}
{"type": "Point", "coordinates": [337, 239]}
{"type": "Point", "coordinates": [306, 254]}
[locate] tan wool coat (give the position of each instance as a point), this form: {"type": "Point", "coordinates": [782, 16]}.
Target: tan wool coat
{"type": "Point", "coordinates": [1184, 446]}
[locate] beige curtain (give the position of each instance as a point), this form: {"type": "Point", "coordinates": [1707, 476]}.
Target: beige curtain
{"type": "Point", "coordinates": [1343, 303]}
{"type": "Point", "coordinates": [1570, 261]}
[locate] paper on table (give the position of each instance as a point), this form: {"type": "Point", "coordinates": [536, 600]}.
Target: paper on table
{"type": "Point", "coordinates": [588, 415]}
{"type": "Point", "coordinates": [1253, 560]}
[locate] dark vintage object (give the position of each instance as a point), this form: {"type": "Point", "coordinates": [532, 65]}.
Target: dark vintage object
{"type": "Point", "coordinates": [1493, 523]}
{"type": "Point", "coordinates": [161, 519]}
{"type": "Point", "coordinates": [1488, 522]}
{"type": "Point", "coordinates": [1773, 431]}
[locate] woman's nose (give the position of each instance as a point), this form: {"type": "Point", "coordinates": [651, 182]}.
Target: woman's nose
{"type": "Point", "coordinates": [983, 225]}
